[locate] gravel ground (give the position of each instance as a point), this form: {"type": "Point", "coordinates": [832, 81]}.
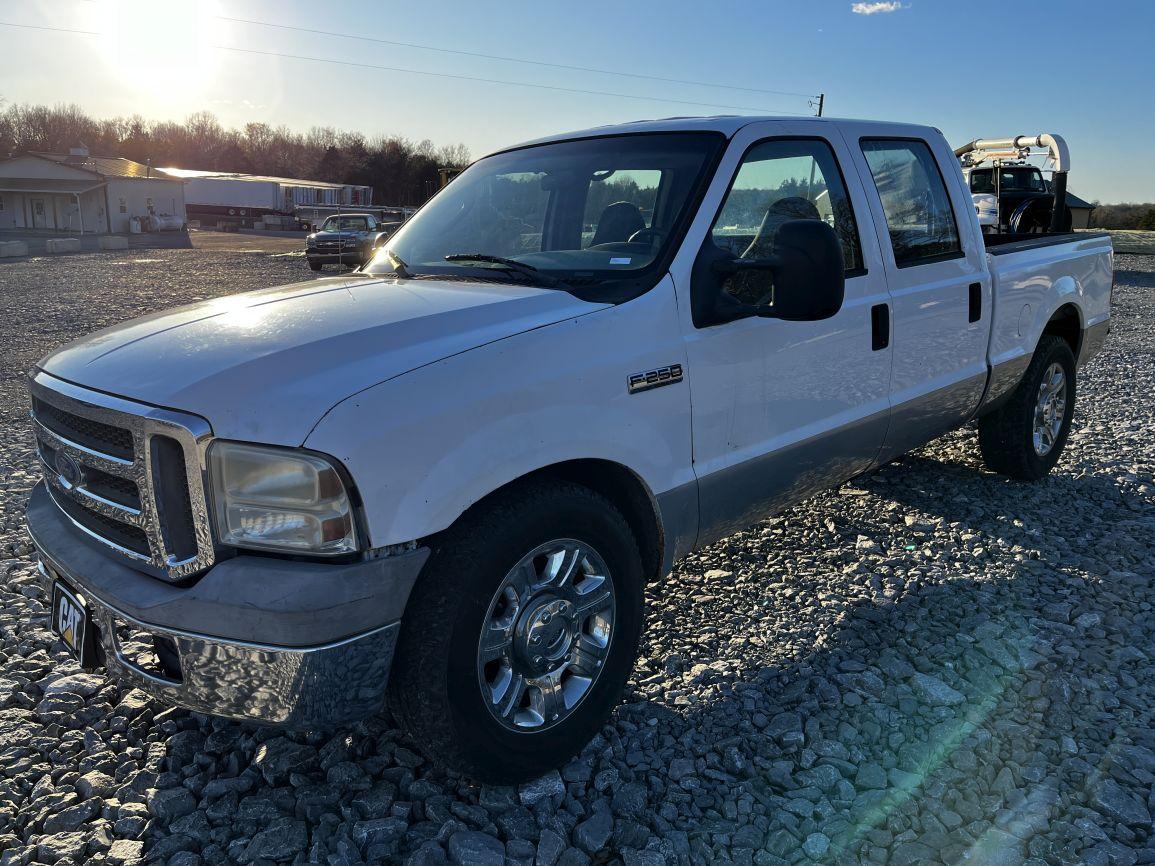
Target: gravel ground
{"type": "Point", "coordinates": [930, 665]}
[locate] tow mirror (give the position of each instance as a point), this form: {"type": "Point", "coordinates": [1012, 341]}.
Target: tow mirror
{"type": "Point", "coordinates": [803, 280]}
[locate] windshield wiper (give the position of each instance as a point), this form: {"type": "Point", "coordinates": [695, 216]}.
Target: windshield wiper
{"type": "Point", "coordinates": [399, 267]}
{"type": "Point", "coordinates": [535, 274]}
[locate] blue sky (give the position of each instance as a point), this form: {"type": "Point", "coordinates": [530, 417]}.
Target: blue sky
{"type": "Point", "coordinates": [971, 69]}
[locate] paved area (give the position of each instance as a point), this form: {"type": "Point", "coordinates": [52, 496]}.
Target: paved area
{"type": "Point", "coordinates": [929, 665]}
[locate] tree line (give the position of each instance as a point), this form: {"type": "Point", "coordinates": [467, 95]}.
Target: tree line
{"type": "Point", "coordinates": [401, 171]}
{"type": "Point", "coordinates": [1124, 216]}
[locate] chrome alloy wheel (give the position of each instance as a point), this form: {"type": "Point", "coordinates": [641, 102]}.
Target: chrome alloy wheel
{"type": "Point", "coordinates": [546, 635]}
{"type": "Point", "coordinates": [1050, 409]}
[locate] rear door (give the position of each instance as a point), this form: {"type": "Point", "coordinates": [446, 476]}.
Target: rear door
{"type": "Point", "coordinates": [939, 285]}
{"type": "Point", "coordinates": [781, 409]}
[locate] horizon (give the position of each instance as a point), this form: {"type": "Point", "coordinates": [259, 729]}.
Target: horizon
{"type": "Point", "coordinates": [467, 82]}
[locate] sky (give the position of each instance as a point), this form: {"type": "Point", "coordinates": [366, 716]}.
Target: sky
{"type": "Point", "coordinates": [974, 69]}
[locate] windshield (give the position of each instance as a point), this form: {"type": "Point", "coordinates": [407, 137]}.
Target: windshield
{"type": "Point", "coordinates": [1025, 179]}
{"type": "Point", "coordinates": [590, 211]}
{"type": "Point", "coordinates": [345, 224]}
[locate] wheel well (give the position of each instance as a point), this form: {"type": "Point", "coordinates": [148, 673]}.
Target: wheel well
{"type": "Point", "coordinates": [623, 488]}
{"type": "Point", "coordinates": [1066, 323]}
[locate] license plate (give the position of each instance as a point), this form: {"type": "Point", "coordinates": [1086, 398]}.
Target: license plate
{"type": "Point", "coordinates": [70, 620]}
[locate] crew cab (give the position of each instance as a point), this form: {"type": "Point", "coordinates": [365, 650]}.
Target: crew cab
{"type": "Point", "coordinates": [346, 239]}
{"type": "Point", "coordinates": [445, 479]}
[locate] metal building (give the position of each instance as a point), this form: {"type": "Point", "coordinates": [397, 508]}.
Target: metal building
{"type": "Point", "coordinates": [80, 193]}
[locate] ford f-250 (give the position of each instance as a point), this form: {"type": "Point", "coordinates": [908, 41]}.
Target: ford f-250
{"type": "Point", "coordinates": [446, 479]}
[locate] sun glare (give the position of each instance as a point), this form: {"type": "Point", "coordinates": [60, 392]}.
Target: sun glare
{"type": "Point", "coordinates": [163, 48]}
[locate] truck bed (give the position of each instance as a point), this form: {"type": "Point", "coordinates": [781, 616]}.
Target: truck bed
{"type": "Point", "coordinates": [1000, 244]}
{"type": "Point", "coordinates": [1036, 276]}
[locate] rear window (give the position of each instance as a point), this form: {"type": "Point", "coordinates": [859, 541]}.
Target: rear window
{"type": "Point", "coordinates": [914, 199]}
{"type": "Point", "coordinates": [345, 224]}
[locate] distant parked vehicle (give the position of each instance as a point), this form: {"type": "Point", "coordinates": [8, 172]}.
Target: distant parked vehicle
{"type": "Point", "coordinates": [1011, 195]}
{"type": "Point", "coordinates": [347, 239]}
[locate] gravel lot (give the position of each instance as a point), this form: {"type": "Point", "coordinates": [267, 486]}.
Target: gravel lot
{"type": "Point", "coordinates": [931, 665]}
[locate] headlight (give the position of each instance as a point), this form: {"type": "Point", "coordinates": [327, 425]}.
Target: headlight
{"type": "Point", "coordinates": [280, 499]}
{"type": "Point", "coordinates": [310, 241]}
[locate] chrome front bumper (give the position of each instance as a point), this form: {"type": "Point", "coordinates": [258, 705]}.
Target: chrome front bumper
{"type": "Point", "coordinates": [294, 687]}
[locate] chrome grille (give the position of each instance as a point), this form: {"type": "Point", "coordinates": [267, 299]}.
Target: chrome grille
{"type": "Point", "coordinates": [126, 474]}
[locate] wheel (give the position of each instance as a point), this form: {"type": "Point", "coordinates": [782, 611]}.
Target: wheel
{"type": "Point", "coordinates": [520, 633]}
{"type": "Point", "coordinates": [1024, 437]}
{"type": "Point", "coordinates": [316, 266]}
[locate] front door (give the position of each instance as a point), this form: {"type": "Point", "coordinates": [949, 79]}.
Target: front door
{"type": "Point", "coordinates": [39, 213]}
{"type": "Point", "coordinates": [781, 409]}
{"type": "Point", "coordinates": [940, 289]}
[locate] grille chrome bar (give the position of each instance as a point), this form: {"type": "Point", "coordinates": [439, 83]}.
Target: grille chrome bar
{"type": "Point", "coordinates": [118, 525]}
{"type": "Point", "coordinates": [92, 501]}
{"type": "Point", "coordinates": [104, 462]}
{"type": "Point", "coordinates": [124, 551]}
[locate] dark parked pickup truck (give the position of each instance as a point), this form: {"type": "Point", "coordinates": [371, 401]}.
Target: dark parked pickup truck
{"type": "Point", "coordinates": [347, 239]}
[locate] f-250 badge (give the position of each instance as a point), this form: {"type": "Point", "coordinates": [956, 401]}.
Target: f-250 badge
{"type": "Point", "coordinates": [638, 382]}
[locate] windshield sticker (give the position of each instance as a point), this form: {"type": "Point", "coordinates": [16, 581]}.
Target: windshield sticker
{"type": "Point", "coordinates": [620, 260]}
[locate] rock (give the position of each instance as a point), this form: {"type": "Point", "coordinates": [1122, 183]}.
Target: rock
{"type": "Point", "coordinates": [171, 803]}
{"type": "Point", "coordinates": [470, 848]}
{"type": "Point", "coordinates": [630, 799]}
{"type": "Point", "coordinates": [85, 685]}
{"type": "Point", "coordinates": [282, 842]}
{"type": "Point", "coordinates": [379, 831]}
{"type": "Point", "coordinates": [62, 846]}
{"type": "Point", "coordinates": [680, 768]}
{"type": "Point", "coordinates": [816, 845]}
{"type": "Point", "coordinates": [124, 852]}
{"type": "Point", "coordinates": [573, 857]}
{"type": "Point", "coordinates": [548, 786]}
{"type": "Point", "coordinates": [95, 784]}
{"type": "Point", "coordinates": [429, 854]}
{"type": "Point", "coordinates": [870, 777]}
{"type": "Point", "coordinates": [1114, 800]}
{"type": "Point", "coordinates": [73, 817]}
{"type": "Point", "coordinates": [277, 758]}
{"type": "Point", "coordinates": [634, 857]}
{"type": "Point", "coordinates": [592, 834]}
{"type": "Point", "coordinates": [549, 848]}
{"type": "Point", "coordinates": [935, 692]}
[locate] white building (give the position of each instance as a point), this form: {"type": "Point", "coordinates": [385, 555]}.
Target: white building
{"type": "Point", "coordinates": [215, 196]}
{"type": "Point", "coordinates": [78, 192]}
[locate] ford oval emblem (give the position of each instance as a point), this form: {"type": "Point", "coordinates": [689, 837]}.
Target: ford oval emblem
{"type": "Point", "coordinates": [68, 469]}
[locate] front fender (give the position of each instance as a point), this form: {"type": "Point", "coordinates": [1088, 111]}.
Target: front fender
{"type": "Point", "coordinates": [424, 447]}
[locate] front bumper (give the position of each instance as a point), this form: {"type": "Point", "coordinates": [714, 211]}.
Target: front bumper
{"type": "Point", "coordinates": [347, 257]}
{"type": "Point", "coordinates": [295, 644]}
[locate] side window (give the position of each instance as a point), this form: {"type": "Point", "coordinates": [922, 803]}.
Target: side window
{"type": "Point", "coordinates": [914, 200]}
{"type": "Point", "coordinates": [779, 181]}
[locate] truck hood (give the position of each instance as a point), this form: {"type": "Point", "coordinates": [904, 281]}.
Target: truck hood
{"type": "Point", "coordinates": [265, 366]}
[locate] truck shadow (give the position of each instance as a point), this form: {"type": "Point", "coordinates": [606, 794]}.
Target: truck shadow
{"type": "Point", "coordinates": [942, 718]}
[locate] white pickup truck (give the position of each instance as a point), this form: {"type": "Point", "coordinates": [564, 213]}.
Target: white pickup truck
{"type": "Point", "coordinates": [446, 478]}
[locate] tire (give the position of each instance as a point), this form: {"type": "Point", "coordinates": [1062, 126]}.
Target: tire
{"type": "Point", "coordinates": [438, 688]}
{"type": "Point", "coordinates": [316, 266]}
{"type": "Point", "coordinates": [1007, 435]}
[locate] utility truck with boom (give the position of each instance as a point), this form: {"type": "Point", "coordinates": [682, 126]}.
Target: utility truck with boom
{"type": "Point", "coordinates": [444, 480]}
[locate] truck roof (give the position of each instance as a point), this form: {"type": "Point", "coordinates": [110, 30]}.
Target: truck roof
{"type": "Point", "coordinates": [727, 124]}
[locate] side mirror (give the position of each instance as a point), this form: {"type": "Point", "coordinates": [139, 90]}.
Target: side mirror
{"type": "Point", "coordinates": [803, 281]}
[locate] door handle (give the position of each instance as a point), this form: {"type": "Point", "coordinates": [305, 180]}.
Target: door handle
{"type": "Point", "coordinates": [976, 309]}
{"type": "Point", "coordinates": [879, 327]}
